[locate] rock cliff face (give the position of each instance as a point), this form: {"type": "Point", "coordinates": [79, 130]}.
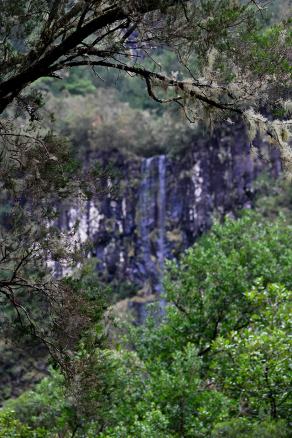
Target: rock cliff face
{"type": "Point", "coordinates": [156, 208]}
{"type": "Point", "coordinates": [163, 203]}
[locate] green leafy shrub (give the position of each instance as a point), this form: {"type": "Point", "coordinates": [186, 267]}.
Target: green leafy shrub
{"type": "Point", "coordinates": [100, 121]}
{"type": "Point", "coordinates": [207, 287]}
{"type": "Point", "coordinates": [252, 365]}
{"type": "Point", "coordinates": [45, 407]}
{"type": "Point", "coordinates": [216, 365]}
{"type": "Point", "coordinates": [244, 428]}
{"type": "Point", "coordinates": [10, 427]}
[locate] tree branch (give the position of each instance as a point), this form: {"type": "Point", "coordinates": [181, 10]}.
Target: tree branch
{"type": "Point", "coordinates": [43, 65]}
{"type": "Point", "coordinates": [148, 75]}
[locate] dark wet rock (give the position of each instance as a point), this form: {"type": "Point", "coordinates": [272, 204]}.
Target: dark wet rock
{"type": "Point", "coordinates": [163, 203]}
{"type": "Point", "coordinates": [157, 207]}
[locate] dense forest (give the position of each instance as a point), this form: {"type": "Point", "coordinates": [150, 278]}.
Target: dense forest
{"type": "Point", "coordinates": [145, 219]}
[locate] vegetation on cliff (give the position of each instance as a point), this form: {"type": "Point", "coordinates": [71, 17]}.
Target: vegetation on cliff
{"type": "Point", "coordinates": [216, 364]}
{"type": "Point", "coordinates": [231, 59]}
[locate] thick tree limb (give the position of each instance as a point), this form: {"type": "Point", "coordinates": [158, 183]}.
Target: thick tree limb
{"type": "Point", "coordinates": [41, 64]}
{"type": "Point", "coordinates": [184, 86]}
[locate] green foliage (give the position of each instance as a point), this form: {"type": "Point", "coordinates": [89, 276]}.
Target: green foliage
{"type": "Point", "coordinates": [265, 59]}
{"type": "Point", "coordinates": [272, 199]}
{"type": "Point", "coordinates": [153, 423]}
{"type": "Point", "coordinates": [100, 121]}
{"type": "Point", "coordinates": [220, 351]}
{"type": "Point", "coordinates": [77, 82]}
{"type": "Point", "coordinates": [45, 407]}
{"type": "Point", "coordinates": [177, 388]}
{"type": "Point", "coordinates": [207, 287]}
{"type": "Point", "coordinates": [216, 365]}
{"type": "Point", "coordinates": [244, 428]}
{"type": "Point", "coordinates": [130, 90]}
{"type": "Point", "coordinates": [10, 427]}
{"type": "Point", "coordinates": [238, 338]}
{"type": "Point", "coordinates": [253, 364]}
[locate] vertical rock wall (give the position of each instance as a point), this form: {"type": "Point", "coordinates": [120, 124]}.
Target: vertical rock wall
{"type": "Point", "coordinates": [162, 204]}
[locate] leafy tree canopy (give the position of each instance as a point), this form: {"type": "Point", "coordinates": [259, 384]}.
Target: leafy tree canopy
{"type": "Point", "coordinates": [228, 59]}
{"type": "Point", "coordinates": [224, 59]}
{"type": "Point", "coordinates": [216, 365]}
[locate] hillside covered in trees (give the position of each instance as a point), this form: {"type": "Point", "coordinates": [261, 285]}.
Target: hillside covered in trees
{"type": "Point", "coordinates": [145, 219]}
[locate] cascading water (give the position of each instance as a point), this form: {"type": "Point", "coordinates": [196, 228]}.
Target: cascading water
{"type": "Point", "coordinates": [144, 196]}
{"type": "Point", "coordinates": [130, 230]}
{"type": "Point", "coordinates": [152, 207]}
{"type": "Point", "coordinates": [161, 210]}
{"type": "Point", "coordinates": [161, 203]}
{"type": "Point", "coordinates": [146, 215]}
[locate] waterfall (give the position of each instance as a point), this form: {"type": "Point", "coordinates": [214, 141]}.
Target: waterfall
{"type": "Point", "coordinates": [146, 214]}
{"type": "Point", "coordinates": [152, 207]}
{"type": "Point", "coordinates": [161, 204]}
